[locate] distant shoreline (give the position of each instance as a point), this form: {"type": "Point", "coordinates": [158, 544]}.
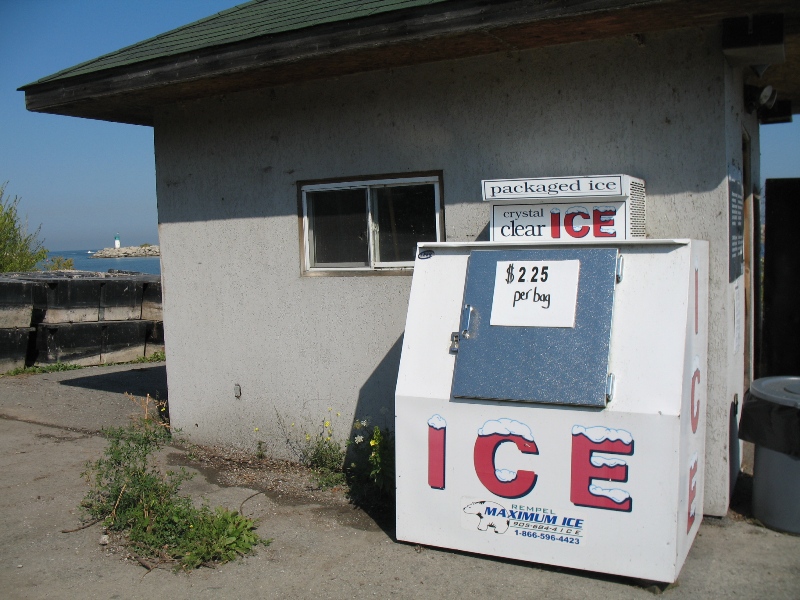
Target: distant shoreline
{"type": "Point", "coordinates": [128, 252]}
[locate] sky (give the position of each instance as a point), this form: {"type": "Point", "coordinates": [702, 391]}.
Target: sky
{"type": "Point", "coordinates": [84, 181]}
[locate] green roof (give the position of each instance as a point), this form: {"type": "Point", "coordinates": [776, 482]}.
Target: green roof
{"type": "Point", "coordinates": [246, 21]}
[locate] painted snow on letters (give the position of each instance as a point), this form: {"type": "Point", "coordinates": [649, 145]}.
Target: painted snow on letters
{"type": "Point", "coordinates": [598, 460]}
{"type": "Point", "coordinates": [617, 495]}
{"type": "Point", "coordinates": [578, 209]}
{"type": "Point", "coordinates": [506, 427]}
{"type": "Point", "coordinates": [505, 474]}
{"type": "Point", "coordinates": [600, 434]}
{"type": "Point", "coordinates": [437, 422]}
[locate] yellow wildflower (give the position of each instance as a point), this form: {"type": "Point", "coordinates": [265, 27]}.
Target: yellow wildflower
{"type": "Point", "coordinates": [373, 442]}
{"type": "Point", "coordinates": [255, 429]}
{"type": "Point", "coordinates": [327, 423]}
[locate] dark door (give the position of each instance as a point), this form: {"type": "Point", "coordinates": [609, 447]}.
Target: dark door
{"type": "Point", "coordinates": [780, 332]}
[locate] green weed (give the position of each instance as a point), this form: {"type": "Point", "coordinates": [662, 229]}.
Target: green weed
{"type": "Point", "coordinates": [371, 470]}
{"type": "Point", "coordinates": [324, 455]}
{"type": "Point", "coordinates": [130, 494]}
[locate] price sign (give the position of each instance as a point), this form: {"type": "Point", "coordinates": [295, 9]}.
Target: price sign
{"type": "Point", "coordinates": [535, 293]}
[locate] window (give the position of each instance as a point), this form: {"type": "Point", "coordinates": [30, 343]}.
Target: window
{"type": "Point", "coordinates": [369, 225]}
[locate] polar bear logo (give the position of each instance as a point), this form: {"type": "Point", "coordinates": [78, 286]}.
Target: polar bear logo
{"type": "Point", "coordinates": [490, 514]}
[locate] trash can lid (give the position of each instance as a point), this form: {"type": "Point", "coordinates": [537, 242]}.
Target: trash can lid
{"type": "Point", "coordinates": [780, 390]}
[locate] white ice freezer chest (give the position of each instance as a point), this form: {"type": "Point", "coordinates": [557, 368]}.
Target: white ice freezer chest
{"type": "Point", "coordinates": [550, 404]}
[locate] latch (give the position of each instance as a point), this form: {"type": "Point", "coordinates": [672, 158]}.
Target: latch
{"type": "Point", "coordinates": [610, 387]}
{"type": "Point", "coordinates": [454, 342]}
{"type": "Point", "coordinates": [466, 319]}
{"type": "Point", "coordinates": [455, 337]}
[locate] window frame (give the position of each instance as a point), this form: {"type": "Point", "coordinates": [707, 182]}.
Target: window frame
{"type": "Point", "coordinates": [368, 183]}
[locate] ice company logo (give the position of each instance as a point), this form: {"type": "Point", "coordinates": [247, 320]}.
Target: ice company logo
{"type": "Point", "coordinates": [486, 515]}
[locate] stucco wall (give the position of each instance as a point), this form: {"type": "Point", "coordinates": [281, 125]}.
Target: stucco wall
{"type": "Point", "coordinates": [237, 309]}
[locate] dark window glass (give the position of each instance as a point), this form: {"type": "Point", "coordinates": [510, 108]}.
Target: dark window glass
{"type": "Point", "coordinates": [338, 226]}
{"type": "Point", "coordinates": [406, 214]}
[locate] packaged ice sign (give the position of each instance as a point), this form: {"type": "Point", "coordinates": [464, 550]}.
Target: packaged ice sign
{"type": "Point", "coordinates": [506, 441]}
{"type": "Point", "coordinates": [566, 209]}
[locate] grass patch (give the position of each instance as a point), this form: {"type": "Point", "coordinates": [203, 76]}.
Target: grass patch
{"type": "Point", "coordinates": [45, 369]}
{"type": "Point", "coordinates": [131, 495]}
{"type": "Point", "coordinates": [157, 356]}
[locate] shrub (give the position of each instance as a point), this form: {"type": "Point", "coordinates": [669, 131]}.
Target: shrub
{"type": "Point", "coordinates": [19, 250]}
{"type": "Point", "coordinates": [58, 263]}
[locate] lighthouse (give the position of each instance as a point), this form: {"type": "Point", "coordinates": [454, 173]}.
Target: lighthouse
{"type": "Point", "coordinates": [116, 241]}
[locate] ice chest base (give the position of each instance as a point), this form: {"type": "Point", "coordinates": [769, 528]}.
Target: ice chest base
{"type": "Point", "coordinates": [615, 489]}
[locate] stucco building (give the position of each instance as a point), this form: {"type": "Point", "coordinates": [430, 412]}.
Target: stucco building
{"type": "Point", "coordinates": [302, 148]}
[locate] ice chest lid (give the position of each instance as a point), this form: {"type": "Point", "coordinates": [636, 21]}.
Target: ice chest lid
{"type": "Point", "coordinates": [780, 390]}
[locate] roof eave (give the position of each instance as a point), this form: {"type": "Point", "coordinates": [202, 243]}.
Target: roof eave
{"type": "Point", "coordinates": [130, 94]}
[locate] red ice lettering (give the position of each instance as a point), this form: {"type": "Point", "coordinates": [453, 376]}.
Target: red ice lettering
{"type": "Point", "coordinates": [436, 446]}
{"type": "Point", "coordinates": [696, 303]}
{"type": "Point", "coordinates": [692, 494]}
{"type": "Point", "coordinates": [584, 471]}
{"type": "Point", "coordinates": [555, 223]}
{"type": "Point", "coordinates": [485, 449]}
{"type": "Point", "coordinates": [695, 410]}
{"type": "Point", "coordinates": [603, 222]}
{"type": "Point", "coordinates": [573, 229]}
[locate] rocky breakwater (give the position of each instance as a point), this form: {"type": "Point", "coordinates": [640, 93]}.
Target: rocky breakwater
{"type": "Point", "coordinates": [128, 252]}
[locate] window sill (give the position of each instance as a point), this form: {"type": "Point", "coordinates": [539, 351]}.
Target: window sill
{"type": "Point", "coordinates": [363, 272]}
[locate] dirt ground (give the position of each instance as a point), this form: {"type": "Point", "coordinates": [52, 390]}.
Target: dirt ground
{"type": "Point", "coordinates": [323, 546]}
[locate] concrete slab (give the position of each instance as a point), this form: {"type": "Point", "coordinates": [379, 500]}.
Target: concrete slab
{"type": "Point", "coordinates": [48, 426]}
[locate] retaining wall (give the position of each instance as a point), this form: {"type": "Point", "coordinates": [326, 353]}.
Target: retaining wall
{"type": "Point", "coordinates": [78, 317]}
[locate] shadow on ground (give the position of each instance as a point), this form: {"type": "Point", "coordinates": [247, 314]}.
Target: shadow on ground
{"type": "Point", "coordinates": [138, 381]}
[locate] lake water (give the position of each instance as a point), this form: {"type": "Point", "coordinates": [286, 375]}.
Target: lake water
{"type": "Point", "coordinates": [84, 262]}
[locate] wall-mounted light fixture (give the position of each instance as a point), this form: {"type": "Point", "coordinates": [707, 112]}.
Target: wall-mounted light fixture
{"type": "Point", "coordinates": [756, 98]}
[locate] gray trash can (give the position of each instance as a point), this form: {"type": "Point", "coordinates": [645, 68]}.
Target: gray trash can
{"type": "Point", "coordinates": [771, 420]}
